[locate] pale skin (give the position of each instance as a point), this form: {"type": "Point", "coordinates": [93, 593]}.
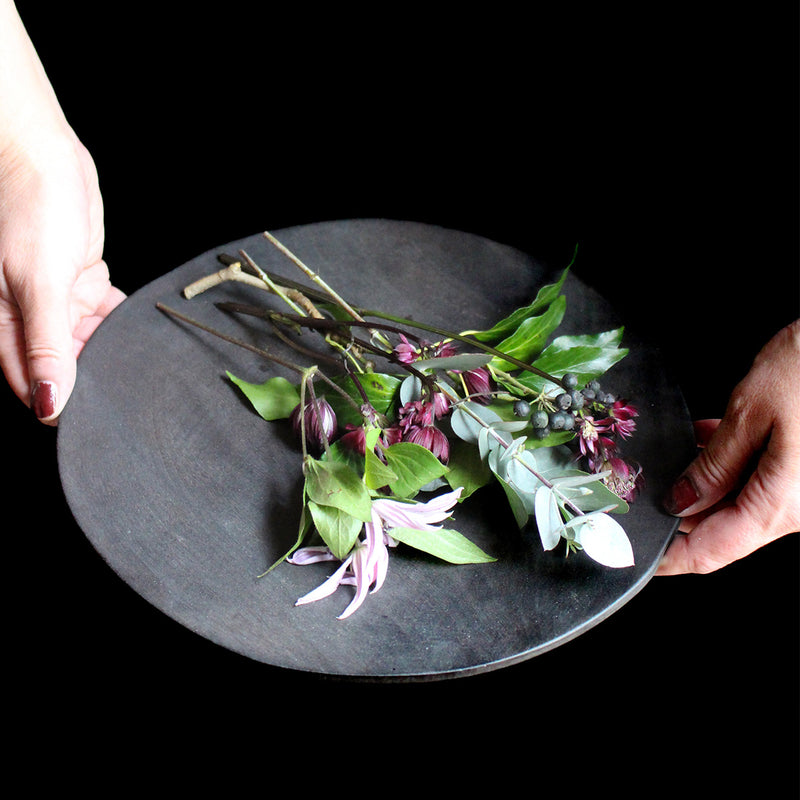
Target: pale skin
{"type": "Point", "coordinates": [55, 290]}
{"type": "Point", "coordinates": [54, 284]}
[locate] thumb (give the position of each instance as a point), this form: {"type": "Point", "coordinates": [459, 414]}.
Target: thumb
{"type": "Point", "coordinates": [49, 351]}
{"type": "Point", "coordinates": [722, 463]}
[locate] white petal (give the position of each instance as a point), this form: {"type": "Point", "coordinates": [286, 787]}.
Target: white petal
{"type": "Point", "coordinates": [605, 540]}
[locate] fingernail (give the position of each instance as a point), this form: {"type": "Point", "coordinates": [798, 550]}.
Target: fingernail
{"type": "Point", "coordinates": [43, 399]}
{"type": "Point", "coordinates": [680, 496]}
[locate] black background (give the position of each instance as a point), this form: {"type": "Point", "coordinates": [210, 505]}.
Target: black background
{"type": "Point", "coordinates": [663, 145]}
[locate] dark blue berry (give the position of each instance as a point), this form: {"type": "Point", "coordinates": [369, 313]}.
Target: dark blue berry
{"type": "Point", "coordinates": [522, 408]}
{"type": "Point", "coordinates": [558, 420]}
{"type": "Point", "coordinates": [540, 419]}
{"type": "Point", "coordinates": [541, 433]}
{"type": "Point", "coordinates": [569, 380]}
{"type": "Point", "coordinates": [578, 400]}
{"type": "Point", "coordinates": [564, 401]}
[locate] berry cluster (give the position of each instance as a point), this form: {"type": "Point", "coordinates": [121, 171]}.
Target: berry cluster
{"type": "Point", "coordinates": [561, 412]}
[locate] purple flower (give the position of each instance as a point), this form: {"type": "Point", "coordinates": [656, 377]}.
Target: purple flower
{"type": "Point", "coordinates": [406, 353]}
{"type": "Point", "coordinates": [431, 438]}
{"type": "Point", "coordinates": [625, 480]}
{"type": "Point", "coordinates": [478, 384]}
{"type": "Point", "coordinates": [591, 438]}
{"type": "Point", "coordinates": [319, 420]}
{"type": "Point", "coordinates": [415, 423]}
{"type": "Point", "coordinates": [621, 419]}
{"type": "Point", "coordinates": [367, 564]}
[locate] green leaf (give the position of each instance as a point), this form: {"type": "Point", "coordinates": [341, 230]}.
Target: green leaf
{"type": "Point", "coordinates": [467, 469]}
{"type": "Point", "coordinates": [376, 473]}
{"type": "Point", "coordinates": [338, 529]}
{"type": "Point", "coordinates": [414, 466]}
{"type": "Point", "coordinates": [381, 391]}
{"type": "Point", "coordinates": [335, 483]}
{"type": "Point", "coordinates": [449, 545]}
{"type": "Point", "coordinates": [545, 296]}
{"type": "Point", "coordinates": [274, 399]}
{"type": "Point", "coordinates": [531, 336]}
{"type": "Point", "coordinates": [586, 356]}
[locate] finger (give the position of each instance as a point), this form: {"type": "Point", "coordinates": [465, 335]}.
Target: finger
{"type": "Point", "coordinates": [49, 354]}
{"type": "Point", "coordinates": [89, 324]}
{"type": "Point", "coordinates": [717, 469]}
{"type": "Point", "coordinates": [765, 509]}
{"type": "Point", "coordinates": [704, 430]}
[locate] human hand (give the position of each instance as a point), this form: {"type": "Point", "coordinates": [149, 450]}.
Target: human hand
{"type": "Point", "coordinates": [54, 284]}
{"type": "Point", "coordinates": [726, 514]}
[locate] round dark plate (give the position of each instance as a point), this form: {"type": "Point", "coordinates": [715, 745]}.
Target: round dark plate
{"type": "Point", "coordinates": [189, 495]}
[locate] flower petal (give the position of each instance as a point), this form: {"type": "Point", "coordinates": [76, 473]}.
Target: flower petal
{"type": "Point", "coordinates": [358, 565]}
{"type": "Point", "coordinates": [328, 587]}
{"type": "Point", "coordinates": [311, 555]}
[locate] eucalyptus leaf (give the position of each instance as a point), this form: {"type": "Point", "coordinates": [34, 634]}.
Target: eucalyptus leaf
{"type": "Point", "coordinates": [518, 508]}
{"type": "Point", "coordinates": [587, 492]}
{"type": "Point", "coordinates": [444, 543]}
{"type": "Point", "coordinates": [604, 540]}
{"type": "Point", "coordinates": [548, 517]}
{"type": "Point", "coordinates": [273, 399]}
{"type": "Point", "coordinates": [463, 362]}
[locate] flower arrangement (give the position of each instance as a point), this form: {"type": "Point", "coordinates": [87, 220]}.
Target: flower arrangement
{"type": "Point", "coordinates": [407, 420]}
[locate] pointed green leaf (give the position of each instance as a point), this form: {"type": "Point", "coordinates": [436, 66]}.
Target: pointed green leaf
{"type": "Point", "coordinates": [334, 483]}
{"type": "Point", "coordinates": [338, 529]}
{"type": "Point", "coordinates": [381, 391]}
{"type": "Point", "coordinates": [414, 466]}
{"type": "Point", "coordinates": [449, 545]}
{"type": "Point", "coordinates": [545, 296]}
{"type": "Point", "coordinates": [464, 361]}
{"type": "Point", "coordinates": [376, 473]}
{"type": "Point", "coordinates": [274, 399]}
{"type": "Point", "coordinates": [467, 469]}
{"type": "Point", "coordinates": [531, 336]}
{"type": "Point", "coordinates": [588, 357]}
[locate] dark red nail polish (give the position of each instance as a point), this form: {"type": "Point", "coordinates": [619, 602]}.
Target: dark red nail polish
{"type": "Point", "coordinates": [680, 496]}
{"type": "Point", "coordinates": [43, 399]}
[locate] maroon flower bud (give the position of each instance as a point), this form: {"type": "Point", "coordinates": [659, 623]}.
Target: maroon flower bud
{"type": "Point", "coordinates": [319, 420]}
{"type": "Point", "coordinates": [432, 439]}
{"type": "Point", "coordinates": [478, 384]}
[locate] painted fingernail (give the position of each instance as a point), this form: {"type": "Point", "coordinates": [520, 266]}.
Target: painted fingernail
{"type": "Point", "coordinates": [43, 399]}
{"type": "Point", "coordinates": [680, 496]}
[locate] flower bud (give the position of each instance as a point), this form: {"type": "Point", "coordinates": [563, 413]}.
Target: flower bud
{"type": "Point", "coordinates": [319, 420]}
{"type": "Point", "coordinates": [478, 384]}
